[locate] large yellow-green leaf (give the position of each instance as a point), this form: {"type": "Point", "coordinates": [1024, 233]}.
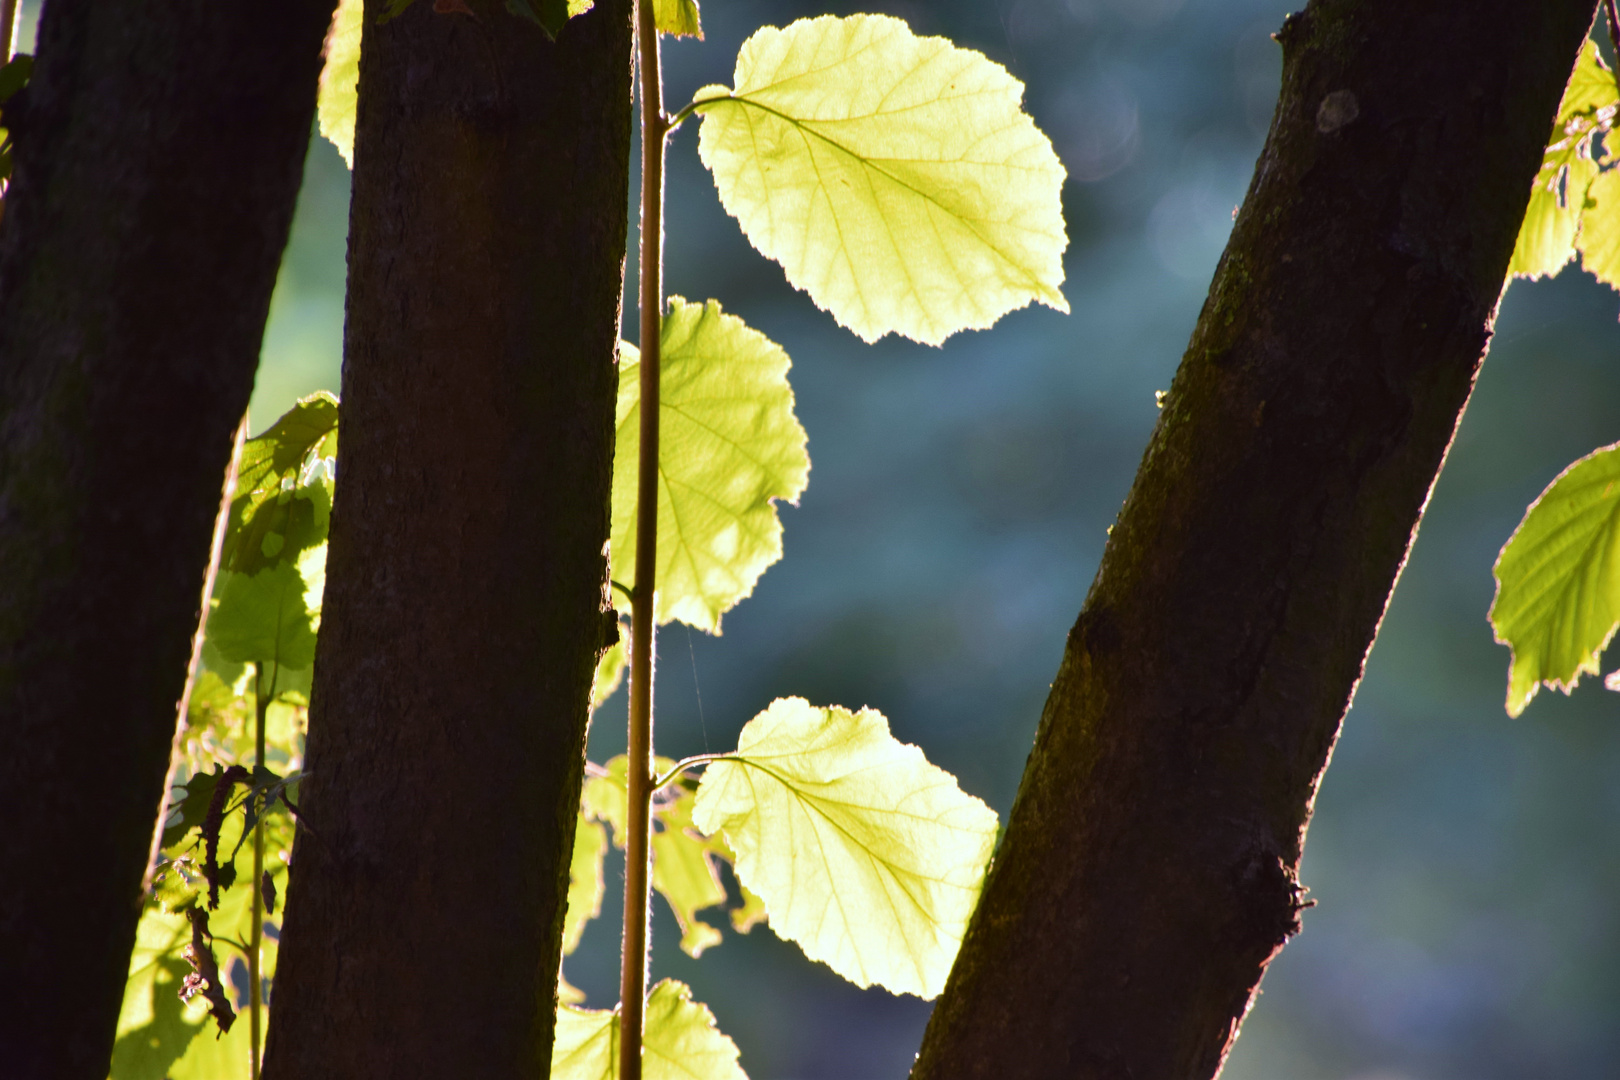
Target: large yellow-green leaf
{"type": "Point", "coordinates": [265, 618]}
{"type": "Point", "coordinates": [610, 667]}
{"type": "Point", "coordinates": [863, 853]}
{"type": "Point", "coordinates": [340, 78]}
{"type": "Point", "coordinates": [729, 446]}
{"type": "Point", "coordinates": [154, 1026]}
{"type": "Point", "coordinates": [1558, 580]}
{"type": "Point", "coordinates": [679, 1041]}
{"type": "Point", "coordinates": [894, 177]}
{"type": "Point", "coordinates": [584, 881]}
{"type": "Point", "coordinates": [677, 17]}
{"type": "Point", "coordinates": [1547, 237]}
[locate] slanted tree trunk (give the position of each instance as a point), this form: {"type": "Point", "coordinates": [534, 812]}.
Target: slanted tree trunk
{"type": "Point", "coordinates": [159, 152]}
{"type": "Point", "coordinates": [466, 596]}
{"type": "Point", "coordinates": [1149, 870]}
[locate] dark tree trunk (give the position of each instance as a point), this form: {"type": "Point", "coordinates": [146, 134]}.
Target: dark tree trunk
{"type": "Point", "coordinates": [1149, 870]}
{"type": "Point", "coordinates": [159, 152]}
{"type": "Point", "coordinates": [467, 576]}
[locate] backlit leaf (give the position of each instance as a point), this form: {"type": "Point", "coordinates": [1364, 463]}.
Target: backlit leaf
{"type": "Point", "coordinates": [683, 860]}
{"type": "Point", "coordinates": [610, 670]}
{"type": "Point", "coordinates": [1599, 239]}
{"type": "Point", "coordinates": [1547, 237]}
{"type": "Point", "coordinates": [894, 177]}
{"type": "Point", "coordinates": [677, 17]}
{"type": "Point", "coordinates": [679, 1041]}
{"type": "Point", "coordinates": [284, 483]}
{"type": "Point", "coordinates": [729, 446]}
{"type": "Point", "coordinates": [340, 78]}
{"type": "Point", "coordinates": [154, 1026]}
{"type": "Point", "coordinates": [1558, 580]}
{"type": "Point", "coordinates": [864, 853]}
{"type": "Point", "coordinates": [584, 881]}
{"type": "Point", "coordinates": [264, 618]}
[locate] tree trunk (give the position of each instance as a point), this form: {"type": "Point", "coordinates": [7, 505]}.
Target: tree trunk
{"type": "Point", "coordinates": [1149, 870]}
{"type": "Point", "coordinates": [159, 151]}
{"type": "Point", "coordinates": [466, 596]}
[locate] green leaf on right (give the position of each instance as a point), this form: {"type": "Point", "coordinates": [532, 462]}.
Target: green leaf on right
{"type": "Point", "coordinates": [1558, 198]}
{"type": "Point", "coordinates": [340, 77]}
{"type": "Point", "coordinates": [730, 447]}
{"type": "Point", "coordinates": [1558, 580]}
{"type": "Point", "coordinates": [610, 670]}
{"type": "Point", "coordinates": [864, 853]}
{"type": "Point", "coordinates": [679, 1041]}
{"type": "Point", "coordinates": [896, 178]}
{"type": "Point", "coordinates": [284, 484]}
{"type": "Point", "coordinates": [678, 18]}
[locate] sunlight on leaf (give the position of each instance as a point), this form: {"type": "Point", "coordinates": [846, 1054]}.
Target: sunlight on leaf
{"type": "Point", "coordinates": [863, 853]}
{"type": "Point", "coordinates": [1599, 238]}
{"type": "Point", "coordinates": [154, 1025]}
{"type": "Point", "coordinates": [264, 618]}
{"type": "Point", "coordinates": [677, 17]}
{"type": "Point", "coordinates": [284, 483]}
{"type": "Point", "coordinates": [610, 670]}
{"type": "Point", "coordinates": [1547, 237]}
{"type": "Point", "coordinates": [1558, 580]}
{"type": "Point", "coordinates": [729, 447]}
{"type": "Point", "coordinates": [340, 78]}
{"type": "Point", "coordinates": [680, 1041]}
{"type": "Point", "coordinates": [684, 861]}
{"type": "Point", "coordinates": [584, 881]}
{"type": "Point", "coordinates": [894, 177]}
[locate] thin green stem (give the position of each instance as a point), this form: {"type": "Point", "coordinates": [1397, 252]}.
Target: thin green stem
{"type": "Point", "coordinates": [261, 702]}
{"type": "Point", "coordinates": [633, 959]}
{"type": "Point", "coordinates": [682, 765]}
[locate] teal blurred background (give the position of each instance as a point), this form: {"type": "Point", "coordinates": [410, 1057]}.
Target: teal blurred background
{"type": "Point", "coordinates": [1464, 865]}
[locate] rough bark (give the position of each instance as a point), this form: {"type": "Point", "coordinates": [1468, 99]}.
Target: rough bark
{"type": "Point", "coordinates": [159, 152]}
{"type": "Point", "coordinates": [1149, 870]}
{"type": "Point", "coordinates": [467, 574]}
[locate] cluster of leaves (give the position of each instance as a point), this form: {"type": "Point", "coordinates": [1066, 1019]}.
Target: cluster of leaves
{"type": "Point", "coordinates": [259, 648]}
{"type": "Point", "coordinates": [899, 183]}
{"type": "Point", "coordinates": [1557, 602]}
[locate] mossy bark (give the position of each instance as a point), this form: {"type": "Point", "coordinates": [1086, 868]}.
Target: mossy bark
{"type": "Point", "coordinates": [466, 596]}
{"type": "Point", "coordinates": [159, 151]}
{"type": "Point", "coordinates": [1150, 868]}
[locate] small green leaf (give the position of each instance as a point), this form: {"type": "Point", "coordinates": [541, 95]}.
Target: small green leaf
{"type": "Point", "coordinates": [284, 484]}
{"type": "Point", "coordinates": [729, 447]}
{"type": "Point", "coordinates": [683, 869]}
{"type": "Point", "coordinates": [1599, 238]}
{"type": "Point", "coordinates": [264, 618]}
{"type": "Point", "coordinates": [683, 860]}
{"type": "Point", "coordinates": [340, 76]}
{"type": "Point", "coordinates": [1558, 580]}
{"type": "Point", "coordinates": [1547, 237]}
{"type": "Point", "coordinates": [584, 881]}
{"type": "Point", "coordinates": [678, 18]}
{"type": "Point", "coordinates": [679, 1041]}
{"type": "Point", "coordinates": [894, 177]}
{"type": "Point", "coordinates": [610, 670]}
{"type": "Point", "coordinates": [864, 853]}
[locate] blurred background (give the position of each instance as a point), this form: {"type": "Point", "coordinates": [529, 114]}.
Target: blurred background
{"type": "Point", "coordinates": [1464, 865]}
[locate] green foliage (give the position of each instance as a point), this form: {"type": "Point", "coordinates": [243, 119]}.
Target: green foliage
{"type": "Point", "coordinates": [154, 1025]}
{"type": "Point", "coordinates": [340, 78]}
{"type": "Point", "coordinates": [684, 861]}
{"type": "Point", "coordinates": [265, 618]}
{"type": "Point", "coordinates": [678, 18]}
{"type": "Point", "coordinates": [584, 881]}
{"type": "Point", "coordinates": [1559, 196]}
{"type": "Point", "coordinates": [729, 446]}
{"type": "Point", "coordinates": [609, 670]}
{"type": "Point", "coordinates": [1558, 580]}
{"type": "Point", "coordinates": [864, 853]}
{"type": "Point", "coordinates": [894, 177]}
{"type": "Point", "coordinates": [679, 1041]}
